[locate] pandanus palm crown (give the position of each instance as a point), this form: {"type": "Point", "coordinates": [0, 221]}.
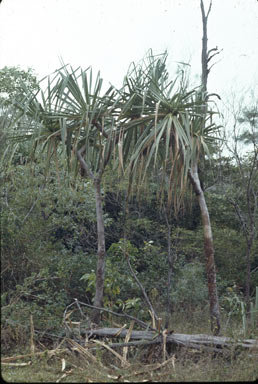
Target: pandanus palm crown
{"type": "Point", "coordinates": [152, 120]}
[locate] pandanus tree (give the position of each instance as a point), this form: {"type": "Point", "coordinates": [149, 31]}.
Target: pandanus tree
{"type": "Point", "coordinates": [76, 119]}
{"type": "Point", "coordinates": [167, 131]}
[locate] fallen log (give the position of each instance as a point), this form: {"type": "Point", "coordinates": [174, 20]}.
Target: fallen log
{"type": "Point", "coordinates": [191, 341]}
{"type": "Point", "coordinates": [158, 341]}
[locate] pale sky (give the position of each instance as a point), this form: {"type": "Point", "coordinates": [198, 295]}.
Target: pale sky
{"type": "Point", "coordinates": [110, 34]}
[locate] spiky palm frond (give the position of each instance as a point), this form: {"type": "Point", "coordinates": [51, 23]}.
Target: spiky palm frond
{"type": "Point", "coordinates": [150, 121]}
{"type": "Point", "coordinates": [165, 126]}
{"type": "Point", "coordinates": [74, 112]}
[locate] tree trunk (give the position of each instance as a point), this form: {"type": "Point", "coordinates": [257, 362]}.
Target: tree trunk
{"type": "Point", "coordinates": [248, 274]}
{"type": "Point", "coordinates": [205, 71]}
{"type": "Point", "coordinates": [194, 177]}
{"type": "Point", "coordinates": [100, 272]}
{"type": "Point", "coordinates": [251, 207]}
{"type": "Point", "coordinates": [170, 272]}
{"type": "Point", "coordinates": [208, 251]}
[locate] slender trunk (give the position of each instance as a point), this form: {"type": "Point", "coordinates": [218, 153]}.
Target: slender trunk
{"type": "Point", "coordinates": [100, 272]}
{"type": "Point", "coordinates": [208, 251]}
{"type": "Point", "coordinates": [194, 177]}
{"type": "Point", "coordinates": [248, 274]}
{"type": "Point", "coordinates": [170, 272]}
{"type": "Point", "coordinates": [248, 226]}
{"type": "Point", "coordinates": [251, 207]}
{"type": "Point", "coordinates": [205, 71]}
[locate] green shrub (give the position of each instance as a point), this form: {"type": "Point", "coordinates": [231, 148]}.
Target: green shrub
{"type": "Point", "coordinates": [38, 297]}
{"type": "Point", "coordinates": [120, 289]}
{"type": "Point", "coordinates": [189, 290]}
{"type": "Point", "coordinates": [44, 220]}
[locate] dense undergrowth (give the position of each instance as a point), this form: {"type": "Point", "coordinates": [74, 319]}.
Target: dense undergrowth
{"type": "Point", "coordinates": [49, 258]}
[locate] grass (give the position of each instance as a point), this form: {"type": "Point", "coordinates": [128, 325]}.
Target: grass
{"type": "Point", "coordinates": [188, 366]}
{"type": "Point", "coordinates": [183, 365]}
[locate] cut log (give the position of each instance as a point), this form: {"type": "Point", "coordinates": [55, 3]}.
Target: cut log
{"type": "Point", "coordinates": [191, 341]}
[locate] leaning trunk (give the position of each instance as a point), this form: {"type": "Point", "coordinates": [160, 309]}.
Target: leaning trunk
{"type": "Point", "coordinates": [208, 251]}
{"type": "Point", "coordinates": [100, 272]}
{"type": "Point", "coordinates": [194, 177]}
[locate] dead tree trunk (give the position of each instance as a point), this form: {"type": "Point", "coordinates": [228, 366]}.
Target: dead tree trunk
{"type": "Point", "coordinates": [198, 341]}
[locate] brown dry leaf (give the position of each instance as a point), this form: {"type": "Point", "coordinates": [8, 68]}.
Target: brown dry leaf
{"type": "Point", "coordinates": [164, 337]}
{"type": "Point", "coordinates": [17, 364]}
{"type": "Point", "coordinates": [153, 319]}
{"type": "Point", "coordinates": [68, 314]}
{"type": "Point", "coordinates": [64, 375]}
{"type": "Point", "coordinates": [50, 353]}
{"type": "Point", "coordinates": [114, 352]}
{"type": "Point", "coordinates": [127, 338]}
{"type": "Point", "coordinates": [82, 350]}
{"type": "Point", "coordinates": [152, 368]}
{"type": "Point", "coordinates": [120, 330]}
{"type": "Point", "coordinates": [63, 365]}
{"type": "Point", "coordinates": [114, 377]}
{"type": "Point", "coordinates": [60, 378]}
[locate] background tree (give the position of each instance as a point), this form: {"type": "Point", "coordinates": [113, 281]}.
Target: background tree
{"type": "Point", "coordinates": [242, 184]}
{"type": "Point", "coordinates": [14, 82]}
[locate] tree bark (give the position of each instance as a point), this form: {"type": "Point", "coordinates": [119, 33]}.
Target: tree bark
{"type": "Point", "coordinates": [100, 271]}
{"type": "Point", "coordinates": [170, 272]}
{"type": "Point", "coordinates": [250, 235]}
{"type": "Point", "coordinates": [208, 251]}
{"type": "Point", "coordinates": [249, 245]}
{"type": "Point", "coordinates": [205, 70]}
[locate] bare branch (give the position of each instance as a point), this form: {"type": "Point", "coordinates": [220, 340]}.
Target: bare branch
{"type": "Point", "coordinates": [142, 288]}
{"type": "Point", "coordinates": [214, 54]}
{"type": "Point", "coordinates": [140, 322]}
{"type": "Point", "coordinates": [212, 50]}
{"type": "Point", "coordinates": [209, 10]}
